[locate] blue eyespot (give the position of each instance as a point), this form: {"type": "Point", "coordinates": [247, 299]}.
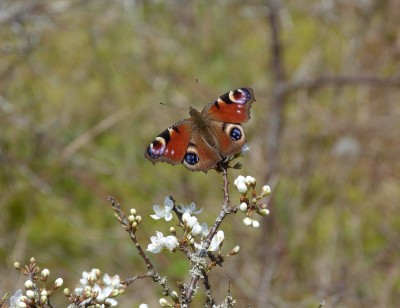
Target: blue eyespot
{"type": "Point", "coordinates": [191, 158]}
{"type": "Point", "coordinates": [235, 134]}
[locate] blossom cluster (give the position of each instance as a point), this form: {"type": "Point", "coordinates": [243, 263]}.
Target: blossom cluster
{"type": "Point", "coordinates": [100, 291]}
{"type": "Point", "coordinates": [188, 222]}
{"type": "Point", "coordinates": [35, 295]}
{"type": "Point", "coordinates": [251, 204]}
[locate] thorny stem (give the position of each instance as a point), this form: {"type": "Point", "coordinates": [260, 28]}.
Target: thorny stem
{"type": "Point", "coordinates": [226, 209]}
{"type": "Point", "coordinates": [128, 227]}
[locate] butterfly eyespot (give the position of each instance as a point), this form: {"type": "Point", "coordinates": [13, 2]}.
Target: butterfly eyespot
{"type": "Point", "coordinates": [156, 148]}
{"type": "Point", "coordinates": [240, 96]}
{"type": "Point", "coordinates": [191, 158]}
{"type": "Point", "coordinates": [235, 134]}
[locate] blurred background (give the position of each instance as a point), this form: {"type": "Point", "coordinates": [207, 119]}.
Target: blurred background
{"type": "Point", "coordinates": [80, 86]}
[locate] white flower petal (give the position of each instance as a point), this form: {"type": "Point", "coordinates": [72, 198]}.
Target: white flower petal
{"type": "Point", "coordinates": [196, 230]}
{"type": "Point", "coordinates": [171, 242]}
{"type": "Point", "coordinates": [242, 187]}
{"type": "Point", "coordinates": [111, 301]}
{"type": "Point", "coordinates": [168, 203]}
{"type": "Point", "coordinates": [155, 217]}
{"type": "Point", "coordinates": [156, 208]}
{"type": "Point", "coordinates": [185, 217]}
{"type": "Point", "coordinates": [205, 229]}
{"type": "Point", "coordinates": [216, 241]}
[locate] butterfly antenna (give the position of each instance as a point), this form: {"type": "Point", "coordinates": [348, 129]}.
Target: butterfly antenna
{"type": "Point", "coordinates": [195, 90]}
{"type": "Point", "coordinates": [172, 106]}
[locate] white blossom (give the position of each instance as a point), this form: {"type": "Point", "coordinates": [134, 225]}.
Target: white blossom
{"type": "Point", "coordinates": [189, 221]}
{"type": "Point", "coordinates": [216, 241]}
{"type": "Point", "coordinates": [171, 242]}
{"type": "Point", "coordinates": [89, 276]}
{"type": "Point", "coordinates": [114, 281]}
{"type": "Point", "coordinates": [159, 242]}
{"type": "Point", "coordinates": [163, 211]}
{"type": "Point", "coordinates": [191, 209]}
{"type": "Point", "coordinates": [15, 299]}
{"type": "Point", "coordinates": [103, 295]}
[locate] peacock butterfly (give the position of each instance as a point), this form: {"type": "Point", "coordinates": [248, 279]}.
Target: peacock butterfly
{"type": "Point", "coordinates": [208, 137]}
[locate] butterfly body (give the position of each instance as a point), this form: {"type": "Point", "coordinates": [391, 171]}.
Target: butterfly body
{"type": "Point", "coordinates": [207, 137]}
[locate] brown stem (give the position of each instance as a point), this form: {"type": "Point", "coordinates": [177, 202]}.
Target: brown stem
{"type": "Point", "coordinates": [209, 298]}
{"type": "Point", "coordinates": [226, 209]}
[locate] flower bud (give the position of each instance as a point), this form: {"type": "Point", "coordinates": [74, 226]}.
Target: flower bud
{"type": "Point", "coordinates": [239, 179]}
{"type": "Point", "coordinates": [263, 212]}
{"type": "Point", "coordinates": [45, 273]}
{"type": "Point", "coordinates": [172, 230]}
{"type": "Point", "coordinates": [165, 303]}
{"type": "Point", "coordinates": [32, 260]}
{"type": "Point", "coordinates": [247, 221]}
{"type": "Point", "coordinates": [242, 188]}
{"type": "Point", "coordinates": [28, 284]}
{"type": "Point", "coordinates": [114, 293]}
{"type": "Point", "coordinates": [134, 225]}
{"type": "Point", "coordinates": [196, 230]}
{"type": "Point", "coordinates": [133, 212]}
{"type": "Point", "coordinates": [265, 190]}
{"type": "Point", "coordinates": [43, 299]}
{"type": "Point", "coordinates": [235, 250]}
{"type": "Point", "coordinates": [58, 283]}
{"type": "Point", "coordinates": [250, 181]}
{"type": "Point", "coordinates": [255, 224]}
{"type": "Point", "coordinates": [30, 294]}
{"type": "Point", "coordinates": [67, 292]}
{"type": "Point", "coordinates": [243, 207]}
{"type": "Point", "coordinates": [131, 218]}
{"type": "Point", "coordinates": [44, 292]}
{"type": "Point", "coordinates": [174, 296]}
{"type": "Point", "coordinates": [138, 218]}
{"type": "Point", "coordinates": [17, 265]}
{"type": "Point", "coordinates": [22, 304]}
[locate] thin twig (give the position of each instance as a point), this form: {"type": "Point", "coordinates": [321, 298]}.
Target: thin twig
{"type": "Point", "coordinates": [120, 215]}
{"type": "Point", "coordinates": [209, 298]}
{"type": "Point", "coordinates": [128, 281]}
